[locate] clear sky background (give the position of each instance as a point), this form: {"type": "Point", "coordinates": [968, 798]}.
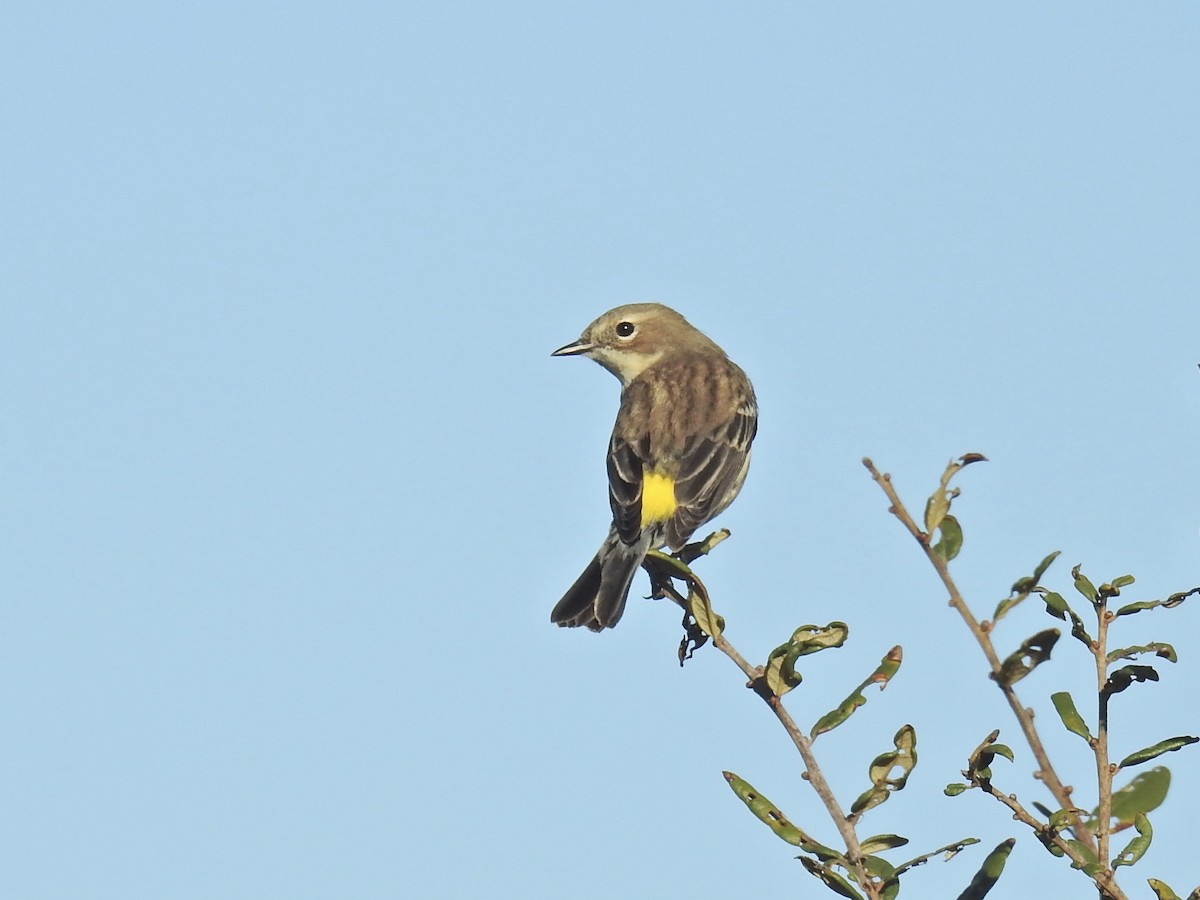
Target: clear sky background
{"type": "Point", "coordinates": [291, 482]}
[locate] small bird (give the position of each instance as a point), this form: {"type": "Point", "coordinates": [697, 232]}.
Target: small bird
{"type": "Point", "coordinates": [679, 451]}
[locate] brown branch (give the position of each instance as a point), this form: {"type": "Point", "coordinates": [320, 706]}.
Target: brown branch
{"type": "Point", "coordinates": [1021, 814]}
{"type": "Point", "coordinates": [1104, 772]}
{"type": "Point", "coordinates": [813, 774]}
{"type": "Point", "coordinates": [1045, 772]}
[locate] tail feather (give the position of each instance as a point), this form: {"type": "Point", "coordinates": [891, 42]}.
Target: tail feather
{"type": "Point", "coordinates": [597, 598]}
{"type": "Point", "coordinates": [577, 607]}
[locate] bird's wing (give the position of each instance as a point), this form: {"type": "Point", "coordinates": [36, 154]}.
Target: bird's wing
{"type": "Point", "coordinates": [711, 471]}
{"type": "Point", "coordinates": [625, 485]}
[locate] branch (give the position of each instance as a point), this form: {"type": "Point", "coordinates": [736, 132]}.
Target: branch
{"type": "Point", "coordinates": [981, 631]}
{"type": "Point", "coordinates": [755, 681]}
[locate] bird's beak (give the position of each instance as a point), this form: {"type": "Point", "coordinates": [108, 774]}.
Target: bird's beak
{"type": "Point", "coordinates": [574, 348]}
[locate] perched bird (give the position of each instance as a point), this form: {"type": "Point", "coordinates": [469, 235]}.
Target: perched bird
{"type": "Point", "coordinates": [679, 451]}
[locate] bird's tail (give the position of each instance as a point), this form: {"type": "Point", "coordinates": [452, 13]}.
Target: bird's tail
{"type": "Point", "coordinates": [597, 598]}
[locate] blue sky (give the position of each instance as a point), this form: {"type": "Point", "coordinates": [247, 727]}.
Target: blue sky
{"type": "Point", "coordinates": [291, 482]}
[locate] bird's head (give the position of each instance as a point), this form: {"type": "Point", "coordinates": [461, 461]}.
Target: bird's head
{"type": "Point", "coordinates": [629, 339]}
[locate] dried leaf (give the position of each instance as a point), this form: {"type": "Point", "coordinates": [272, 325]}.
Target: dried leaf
{"type": "Point", "coordinates": [1127, 675]}
{"type": "Point", "coordinates": [1159, 649]}
{"type": "Point", "coordinates": [1032, 653]}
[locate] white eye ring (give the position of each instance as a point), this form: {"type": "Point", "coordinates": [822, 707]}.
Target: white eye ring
{"type": "Point", "coordinates": [626, 330]}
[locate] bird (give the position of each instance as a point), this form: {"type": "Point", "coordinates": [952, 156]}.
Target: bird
{"type": "Point", "coordinates": [679, 451]}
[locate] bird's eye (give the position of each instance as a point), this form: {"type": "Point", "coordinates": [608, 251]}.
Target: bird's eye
{"type": "Point", "coordinates": [625, 329]}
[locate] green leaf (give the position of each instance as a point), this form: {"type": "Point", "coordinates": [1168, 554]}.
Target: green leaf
{"type": "Point", "coordinates": [1148, 753]}
{"type": "Point", "coordinates": [814, 638]}
{"type": "Point", "coordinates": [936, 508]}
{"type": "Point", "coordinates": [1031, 654]}
{"type": "Point", "coordinates": [766, 812]}
{"type": "Point", "coordinates": [979, 764]}
{"type": "Point", "coordinates": [1143, 794]}
{"type": "Point", "coordinates": [951, 540]}
{"type": "Point", "coordinates": [1063, 819]}
{"type": "Point", "coordinates": [1170, 603]}
{"type": "Point", "coordinates": [1028, 583]}
{"type": "Point", "coordinates": [878, 867]}
{"type": "Point", "coordinates": [879, 842]}
{"type": "Point", "coordinates": [693, 551]}
{"type": "Point", "coordinates": [780, 671]}
{"type": "Point", "coordinates": [836, 717]}
{"type": "Point", "coordinates": [904, 758]}
{"type": "Point", "coordinates": [953, 790]}
{"type": "Point", "coordinates": [1004, 606]}
{"type": "Point", "coordinates": [1058, 607]}
{"type": "Point", "coordinates": [1065, 707]}
{"type": "Point", "coordinates": [868, 799]}
{"type": "Point", "coordinates": [883, 673]}
{"type": "Point", "coordinates": [1023, 587]}
{"type": "Point", "coordinates": [1130, 608]}
{"type": "Point", "coordinates": [1137, 847]}
{"type": "Point", "coordinates": [1056, 604]}
{"type": "Point", "coordinates": [1113, 588]}
{"type": "Point", "coordinates": [1079, 630]}
{"type": "Point", "coordinates": [950, 851]}
{"type": "Point", "coordinates": [1047, 841]}
{"type": "Point", "coordinates": [1127, 675]}
{"type": "Point", "coordinates": [1162, 891]}
{"type": "Point", "coordinates": [1161, 650]}
{"type": "Point", "coordinates": [1091, 865]}
{"type": "Point", "coordinates": [887, 668]}
{"type": "Point", "coordinates": [938, 505]}
{"type": "Point", "coordinates": [1084, 585]}
{"type": "Point", "coordinates": [668, 566]}
{"type": "Point", "coordinates": [989, 873]}
{"type": "Point", "coordinates": [663, 567]}
{"type": "Point", "coordinates": [832, 879]}
{"type": "Point", "coordinates": [1173, 601]}
{"type": "Point", "coordinates": [701, 609]}
{"type": "Point", "coordinates": [1003, 750]}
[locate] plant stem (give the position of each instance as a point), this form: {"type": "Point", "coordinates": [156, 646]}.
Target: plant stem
{"type": "Point", "coordinates": [1109, 890]}
{"type": "Point", "coordinates": [1024, 715]}
{"type": "Point", "coordinates": [1104, 775]}
{"type": "Point", "coordinates": [812, 774]}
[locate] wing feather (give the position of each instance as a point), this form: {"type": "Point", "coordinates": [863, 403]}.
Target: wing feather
{"type": "Point", "coordinates": [708, 468]}
{"type": "Point", "coordinates": [625, 464]}
{"type": "Point", "coordinates": [711, 472]}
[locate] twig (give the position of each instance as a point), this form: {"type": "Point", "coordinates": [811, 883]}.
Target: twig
{"type": "Point", "coordinates": [1104, 774]}
{"type": "Point", "coordinates": [1045, 772]}
{"type": "Point", "coordinates": [813, 775]}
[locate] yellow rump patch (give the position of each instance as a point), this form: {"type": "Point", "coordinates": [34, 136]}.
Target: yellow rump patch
{"type": "Point", "coordinates": [658, 498]}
